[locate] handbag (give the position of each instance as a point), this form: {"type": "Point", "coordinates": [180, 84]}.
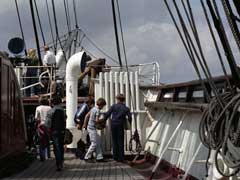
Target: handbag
{"type": "Point", "coordinates": [101, 125]}
{"type": "Point", "coordinates": [84, 135]}
{"type": "Point", "coordinates": [68, 137]}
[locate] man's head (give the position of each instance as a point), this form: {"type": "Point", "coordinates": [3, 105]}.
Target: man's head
{"type": "Point", "coordinates": [101, 103]}
{"type": "Point", "coordinates": [120, 98]}
{"type": "Point", "coordinates": [43, 101]}
{"type": "Point", "coordinates": [46, 48]}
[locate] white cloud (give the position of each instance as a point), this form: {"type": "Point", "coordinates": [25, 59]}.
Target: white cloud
{"type": "Point", "coordinates": [149, 33]}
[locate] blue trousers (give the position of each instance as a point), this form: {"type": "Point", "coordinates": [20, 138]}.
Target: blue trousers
{"type": "Point", "coordinates": [118, 142]}
{"type": "Point", "coordinates": [42, 151]}
{"type": "Point", "coordinates": [58, 146]}
{"type": "Point", "coordinates": [44, 145]}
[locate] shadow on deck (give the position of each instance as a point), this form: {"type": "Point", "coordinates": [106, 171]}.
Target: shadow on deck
{"type": "Point", "coordinates": [75, 169]}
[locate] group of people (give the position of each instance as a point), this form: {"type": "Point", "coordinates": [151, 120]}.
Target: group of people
{"type": "Point", "coordinates": [89, 117]}
{"type": "Point", "coordinates": [52, 124]}
{"type": "Point", "coordinates": [49, 60]}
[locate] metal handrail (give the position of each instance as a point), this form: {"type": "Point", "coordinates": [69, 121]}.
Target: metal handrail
{"type": "Point", "coordinates": [35, 84]}
{"type": "Point", "coordinates": [22, 75]}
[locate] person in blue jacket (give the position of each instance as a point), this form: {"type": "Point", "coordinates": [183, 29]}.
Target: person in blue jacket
{"type": "Point", "coordinates": [119, 113]}
{"type": "Point", "coordinates": [82, 111]}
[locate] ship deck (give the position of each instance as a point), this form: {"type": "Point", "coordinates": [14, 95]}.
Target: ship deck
{"type": "Point", "coordinates": [75, 169]}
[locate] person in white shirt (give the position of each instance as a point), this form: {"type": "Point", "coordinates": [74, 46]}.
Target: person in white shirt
{"type": "Point", "coordinates": [43, 126]}
{"type": "Point", "coordinates": [41, 110]}
{"type": "Point", "coordinates": [49, 58]}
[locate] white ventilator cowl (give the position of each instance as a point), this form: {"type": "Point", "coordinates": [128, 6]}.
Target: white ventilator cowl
{"type": "Point", "coordinates": [73, 70]}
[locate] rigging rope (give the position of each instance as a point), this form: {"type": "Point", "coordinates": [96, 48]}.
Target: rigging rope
{"type": "Point", "coordinates": [215, 43]}
{"type": "Point", "coordinates": [223, 38]}
{"type": "Point", "coordinates": [75, 43]}
{"type": "Point", "coordinates": [202, 64]}
{"type": "Point", "coordinates": [50, 24]}
{"type": "Point", "coordinates": [56, 28]}
{"type": "Point", "coordinates": [75, 14]}
{"type": "Point", "coordinates": [55, 24]}
{"type": "Point", "coordinates": [79, 43]}
{"type": "Point", "coordinates": [231, 21]}
{"type": "Point", "coordinates": [219, 128]}
{"type": "Point", "coordinates": [189, 51]}
{"type": "Point", "coordinates": [81, 38]}
{"type": "Point", "coordinates": [39, 22]}
{"type": "Point", "coordinates": [69, 19]}
{"type": "Point", "coordinates": [62, 39]}
{"type": "Point", "coordinates": [98, 48]}
{"type": "Point", "coordinates": [66, 14]}
{"type": "Point", "coordinates": [237, 5]}
{"type": "Point", "coordinates": [89, 52]}
{"type": "Point", "coordinates": [21, 28]}
{"type": "Point", "coordinates": [35, 31]}
{"type": "Point", "coordinates": [135, 136]}
{"type": "Point", "coordinates": [116, 33]}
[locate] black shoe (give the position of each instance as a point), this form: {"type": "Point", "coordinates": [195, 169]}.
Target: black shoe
{"type": "Point", "coordinates": [58, 169]}
{"type": "Point", "coordinates": [61, 165]}
{"type": "Point", "coordinates": [89, 160]}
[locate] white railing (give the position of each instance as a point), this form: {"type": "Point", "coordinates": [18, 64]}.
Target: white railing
{"type": "Point", "coordinates": [28, 80]}
{"type": "Point", "coordinates": [149, 73]}
{"type": "Point", "coordinates": [110, 84]}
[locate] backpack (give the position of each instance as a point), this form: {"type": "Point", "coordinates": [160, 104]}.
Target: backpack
{"type": "Point", "coordinates": [58, 119]}
{"type": "Point", "coordinates": [68, 137]}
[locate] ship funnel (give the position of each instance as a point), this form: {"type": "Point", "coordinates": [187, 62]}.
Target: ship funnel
{"type": "Point", "coordinates": [75, 66]}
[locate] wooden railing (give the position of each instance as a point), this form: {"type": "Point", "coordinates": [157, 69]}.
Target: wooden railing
{"type": "Point", "coordinates": [189, 92]}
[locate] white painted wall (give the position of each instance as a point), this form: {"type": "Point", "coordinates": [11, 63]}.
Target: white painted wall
{"type": "Point", "coordinates": [185, 142]}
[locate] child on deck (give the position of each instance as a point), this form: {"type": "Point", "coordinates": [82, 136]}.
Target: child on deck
{"type": "Point", "coordinates": [119, 113]}
{"type": "Point", "coordinates": [95, 139]}
{"type": "Point", "coordinates": [40, 116]}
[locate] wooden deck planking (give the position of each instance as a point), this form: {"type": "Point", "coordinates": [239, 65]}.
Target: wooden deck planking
{"type": "Point", "coordinates": [100, 169]}
{"type": "Point", "coordinates": [76, 169]}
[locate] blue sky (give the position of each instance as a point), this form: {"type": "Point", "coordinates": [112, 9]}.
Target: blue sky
{"type": "Point", "coordinates": [148, 32]}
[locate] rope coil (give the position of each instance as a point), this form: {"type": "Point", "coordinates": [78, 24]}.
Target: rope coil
{"type": "Point", "coordinates": [219, 130]}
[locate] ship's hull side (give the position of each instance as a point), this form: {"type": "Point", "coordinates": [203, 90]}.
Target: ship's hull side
{"type": "Point", "coordinates": [12, 122]}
